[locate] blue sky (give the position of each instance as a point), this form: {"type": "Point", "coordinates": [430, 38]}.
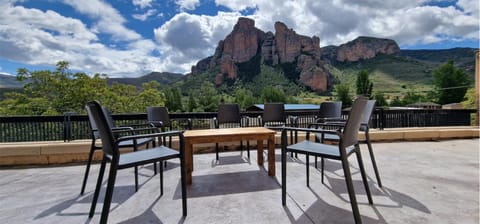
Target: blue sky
{"type": "Point", "coordinates": [130, 38]}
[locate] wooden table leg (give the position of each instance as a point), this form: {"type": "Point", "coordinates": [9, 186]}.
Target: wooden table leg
{"type": "Point", "coordinates": [260, 152]}
{"type": "Point", "coordinates": [271, 155]}
{"type": "Point", "coordinates": [189, 162]}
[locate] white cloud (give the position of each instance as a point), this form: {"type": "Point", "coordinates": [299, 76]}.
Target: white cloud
{"type": "Point", "coordinates": [335, 22]}
{"type": "Point", "coordinates": [237, 5]}
{"type": "Point", "coordinates": [142, 3]}
{"type": "Point", "coordinates": [36, 37]}
{"type": "Point", "coordinates": [33, 36]}
{"type": "Point", "coordinates": [187, 38]}
{"type": "Point", "coordinates": [146, 15]}
{"type": "Point", "coordinates": [109, 19]}
{"type": "Point", "coordinates": [187, 4]}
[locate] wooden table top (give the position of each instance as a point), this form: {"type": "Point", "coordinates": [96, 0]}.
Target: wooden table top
{"type": "Point", "coordinates": [227, 131]}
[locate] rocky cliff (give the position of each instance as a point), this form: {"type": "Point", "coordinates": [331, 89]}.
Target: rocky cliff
{"type": "Point", "coordinates": [300, 56]}
{"type": "Point", "coordinates": [246, 42]}
{"type": "Point", "coordinates": [361, 48]}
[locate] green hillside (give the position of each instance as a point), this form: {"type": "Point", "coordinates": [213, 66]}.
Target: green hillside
{"type": "Point", "coordinates": [409, 71]}
{"type": "Point", "coordinates": [164, 78]}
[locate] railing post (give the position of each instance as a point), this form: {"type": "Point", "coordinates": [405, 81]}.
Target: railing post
{"type": "Point", "coordinates": [381, 118]}
{"type": "Point", "coordinates": [67, 126]}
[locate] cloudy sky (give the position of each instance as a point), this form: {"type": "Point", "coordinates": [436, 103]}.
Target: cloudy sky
{"type": "Point", "coordinates": [130, 38]}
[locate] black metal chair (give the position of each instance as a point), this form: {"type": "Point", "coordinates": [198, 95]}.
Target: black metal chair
{"type": "Point", "coordinates": [158, 117]}
{"type": "Point", "coordinates": [111, 154]}
{"type": "Point", "coordinates": [365, 128]}
{"type": "Point", "coordinates": [274, 117]}
{"type": "Point", "coordinates": [329, 111]}
{"type": "Point", "coordinates": [134, 143]}
{"type": "Point", "coordinates": [229, 116]}
{"type": "Point", "coordinates": [347, 146]}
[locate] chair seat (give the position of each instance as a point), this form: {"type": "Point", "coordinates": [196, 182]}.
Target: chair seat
{"type": "Point", "coordinates": [318, 149]}
{"type": "Point", "coordinates": [330, 137]}
{"type": "Point", "coordinates": [129, 143]}
{"type": "Point", "coordinates": [146, 156]}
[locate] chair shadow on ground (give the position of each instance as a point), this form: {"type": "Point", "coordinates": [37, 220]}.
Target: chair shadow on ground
{"type": "Point", "coordinates": [335, 182]}
{"type": "Point", "coordinates": [230, 183]}
{"type": "Point", "coordinates": [230, 160]}
{"type": "Point", "coordinates": [121, 194]}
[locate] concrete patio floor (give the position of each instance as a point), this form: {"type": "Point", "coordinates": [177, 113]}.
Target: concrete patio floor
{"type": "Point", "coordinates": [424, 182]}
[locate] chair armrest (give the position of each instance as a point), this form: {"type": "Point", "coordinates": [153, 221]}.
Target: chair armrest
{"type": "Point", "coordinates": [132, 131]}
{"type": "Point", "coordinates": [311, 130]}
{"type": "Point", "coordinates": [215, 122]}
{"type": "Point", "coordinates": [151, 135]}
{"type": "Point", "coordinates": [328, 119]}
{"type": "Point", "coordinates": [293, 120]}
{"type": "Point", "coordinates": [156, 124]}
{"type": "Point", "coordinates": [330, 125]}
{"type": "Point", "coordinates": [260, 120]}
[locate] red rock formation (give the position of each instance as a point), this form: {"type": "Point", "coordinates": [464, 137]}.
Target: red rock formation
{"type": "Point", "coordinates": [365, 48]}
{"type": "Point", "coordinates": [285, 46]}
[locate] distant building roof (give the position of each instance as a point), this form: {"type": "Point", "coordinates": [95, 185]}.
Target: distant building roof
{"type": "Point", "coordinates": [425, 105]}
{"type": "Point", "coordinates": [452, 106]}
{"type": "Point", "coordinates": [260, 107]}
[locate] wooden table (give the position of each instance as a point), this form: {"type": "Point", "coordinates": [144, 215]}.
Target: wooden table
{"type": "Point", "coordinates": [230, 135]}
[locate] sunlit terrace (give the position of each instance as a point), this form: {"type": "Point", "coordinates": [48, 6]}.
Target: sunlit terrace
{"type": "Point", "coordinates": [423, 182]}
{"type": "Point", "coordinates": [429, 175]}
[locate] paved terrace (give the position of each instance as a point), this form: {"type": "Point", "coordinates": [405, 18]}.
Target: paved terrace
{"type": "Point", "coordinates": [424, 182]}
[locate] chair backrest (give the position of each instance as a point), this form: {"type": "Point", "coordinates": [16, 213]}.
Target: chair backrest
{"type": "Point", "coordinates": [155, 114]}
{"type": "Point", "coordinates": [330, 109]}
{"type": "Point", "coordinates": [228, 113]}
{"type": "Point", "coordinates": [350, 132]}
{"type": "Point", "coordinates": [93, 125]}
{"type": "Point", "coordinates": [367, 115]}
{"type": "Point", "coordinates": [108, 116]}
{"type": "Point", "coordinates": [273, 112]}
{"type": "Point", "coordinates": [106, 135]}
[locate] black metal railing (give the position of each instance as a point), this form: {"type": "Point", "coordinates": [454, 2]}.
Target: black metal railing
{"type": "Point", "coordinates": [72, 126]}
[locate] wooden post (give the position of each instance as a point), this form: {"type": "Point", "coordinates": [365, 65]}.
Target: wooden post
{"type": "Point", "coordinates": [477, 86]}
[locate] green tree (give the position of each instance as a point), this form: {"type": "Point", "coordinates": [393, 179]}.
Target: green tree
{"type": "Point", "coordinates": [469, 99]}
{"type": "Point", "coordinates": [55, 92]}
{"type": "Point", "coordinates": [207, 96]}
{"type": "Point", "coordinates": [379, 97]}
{"type": "Point", "coordinates": [271, 94]}
{"type": "Point", "coordinates": [364, 86]}
{"type": "Point", "coordinates": [191, 103]}
{"type": "Point", "coordinates": [244, 98]}
{"type": "Point", "coordinates": [149, 96]}
{"type": "Point", "coordinates": [342, 93]}
{"type": "Point", "coordinates": [451, 83]}
{"type": "Point", "coordinates": [396, 102]}
{"type": "Point", "coordinates": [173, 99]}
{"type": "Point", "coordinates": [411, 97]}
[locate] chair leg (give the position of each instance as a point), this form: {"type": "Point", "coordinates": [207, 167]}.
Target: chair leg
{"type": "Point", "coordinates": [216, 150]}
{"type": "Point", "coordinates": [307, 167]}
{"type": "Point", "coordinates": [351, 191]}
{"type": "Point", "coordinates": [109, 193]}
{"type": "Point", "coordinates": [364, 176]}
{"type": "Point", "coordinates": [136, 179]}
{"type": "Point", "coordinates": [323, 168]}
{"type": "Point", "coordinates": [374, 163]}
{"type": "Point", "coordinates": [284, 176]}
{"type": "Point", "coordinates": [161, 178]}
{"type": "Point", "coordinates": [248, 149]}
{"type": "Point", "coordinates": [97, 188]}
{"type": "Point", "coordinates": [316, 162]}
{"type": "Point", "coordinates": [184, 183]}
{"type": "Point", "coordinates": [87, 169]}
{"type": "Point", "coordinates": [154, 163]}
